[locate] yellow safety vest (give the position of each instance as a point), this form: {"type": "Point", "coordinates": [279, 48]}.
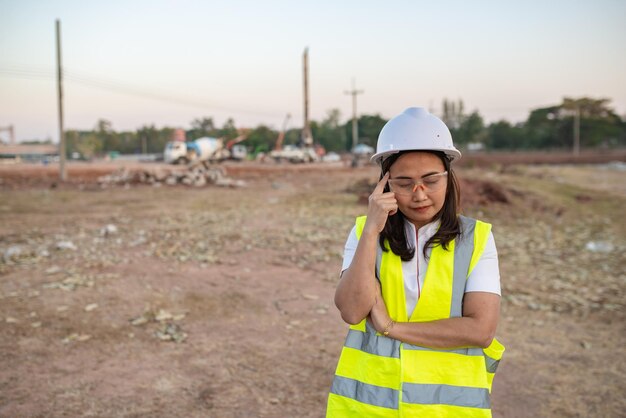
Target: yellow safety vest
{"type": "Point", "coordinates": [382, 377]}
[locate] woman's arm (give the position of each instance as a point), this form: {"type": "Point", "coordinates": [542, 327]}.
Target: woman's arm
{"type": "Point", "coordinates": [356, 292]}
{"type": "Point", "coordinates": [476, 328]}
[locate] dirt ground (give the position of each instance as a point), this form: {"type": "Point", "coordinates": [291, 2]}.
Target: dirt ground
{"type": "Point", "coordinates": [138, 300]}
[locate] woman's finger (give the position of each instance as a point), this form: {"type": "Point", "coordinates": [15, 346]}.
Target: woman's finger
{"type": "Point", "coordinates": [385, 204]}
{"type": "Point", "coordinates": [390, 208]}
{"type": "Point", "coordinates": [381, 185]}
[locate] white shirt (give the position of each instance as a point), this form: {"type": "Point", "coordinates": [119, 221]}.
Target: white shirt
{"type": "Point", "coordinates": [485, 277]}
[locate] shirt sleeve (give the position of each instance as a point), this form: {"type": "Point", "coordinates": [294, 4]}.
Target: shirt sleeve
{"type": "Point", "coordinates": [348, 252]}
{"type": "Point", "coordinates": [485, 276]}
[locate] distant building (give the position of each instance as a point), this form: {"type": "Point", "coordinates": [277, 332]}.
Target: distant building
{"type": "Point", "coordinates": [28, 153]}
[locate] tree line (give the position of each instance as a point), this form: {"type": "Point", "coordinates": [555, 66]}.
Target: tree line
{"type": "Point", "coordinates": [545, 128]}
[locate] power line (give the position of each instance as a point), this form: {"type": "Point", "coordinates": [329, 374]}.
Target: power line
{"type": "Point", "coordinates": [122, 88]}
{"type": "Point", "coordinates": [31, 75]}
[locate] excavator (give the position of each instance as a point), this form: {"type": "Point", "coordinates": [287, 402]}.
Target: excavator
{"type": "Point", "coordinates": [238, 152]}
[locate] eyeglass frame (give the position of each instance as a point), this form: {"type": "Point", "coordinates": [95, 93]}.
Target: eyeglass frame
{"type": "Point", "coordinates": [417, 184]}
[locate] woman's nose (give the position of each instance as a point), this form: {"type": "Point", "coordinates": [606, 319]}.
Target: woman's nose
{"type": "Point", "coordinates": [418, 192]}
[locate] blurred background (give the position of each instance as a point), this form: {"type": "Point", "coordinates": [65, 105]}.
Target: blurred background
{"type": "Point", "coordinates": [177, 181]}
{"type": "Point", "coordinates": [144, 68]}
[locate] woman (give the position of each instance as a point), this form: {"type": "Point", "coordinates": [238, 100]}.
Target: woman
{"type": "Point", "coordinates": [420, 287]}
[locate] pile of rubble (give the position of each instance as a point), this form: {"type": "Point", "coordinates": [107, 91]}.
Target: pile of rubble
{"type": "Point", "coordinates": [197, 175]}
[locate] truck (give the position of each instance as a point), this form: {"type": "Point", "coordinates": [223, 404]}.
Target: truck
{"type": "Point", "coordinates": [201, 149]}
{"type": "Point", "coordinates": [294, 154]}
{"type": "Point", "coordinates": [204, 149]}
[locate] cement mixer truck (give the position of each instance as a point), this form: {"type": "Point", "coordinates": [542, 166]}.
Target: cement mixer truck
{"type": "Point", "coordinates": [201, 149]}
{"type": "Point", "coordinates": [204, 149]}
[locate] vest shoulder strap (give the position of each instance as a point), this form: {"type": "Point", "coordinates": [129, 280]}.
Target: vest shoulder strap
{"type": "Point", "coordinates": [481, 231]}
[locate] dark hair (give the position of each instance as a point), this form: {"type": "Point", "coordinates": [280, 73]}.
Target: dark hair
{"type": "Point", "coordinates": [394, 232]}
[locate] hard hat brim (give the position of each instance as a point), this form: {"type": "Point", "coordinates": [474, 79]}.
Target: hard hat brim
{"type": "Point", "coordinates": [379, 157]}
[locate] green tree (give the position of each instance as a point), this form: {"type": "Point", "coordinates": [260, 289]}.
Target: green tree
{"type": "Point", "coordinates": [164, 135]}
{"type": "Point", "coordinates": [128, 143]}
{"type": "Point", "coordinates": [36, 142]}
{"type": "Point", "coordinates": [369, 128]}
{"type": "Point", "coordinates": [599, 124]}
{"type": "Point", "coordinates": [202, 127]}
{"type": "Point", "coordinates": [86, 143]}
{"type": "Point", "coordinates": [329, 133]}
{"type": "Point", "coordinates": [292, 136]}
{"type": "Point", "coordinates": [502, 135]}
{"type": "Point", "coordinates": [542, 128]}
{"type": "Point", "coordinates": [148, 138]}
{"type": "Point", "coordinates": [107, 136]}
{"type": "Point", "coordinates": [553, 127]}
{"type": "Point", "coordinates": [261, 139]}
{"type": "Point", "coordinates": [471, 130]}
{"type": "Point", "coordinates": [228, 130]}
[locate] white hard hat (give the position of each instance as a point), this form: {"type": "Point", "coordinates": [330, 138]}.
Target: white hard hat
{"type": "Point", "coordinates": [412, 130]}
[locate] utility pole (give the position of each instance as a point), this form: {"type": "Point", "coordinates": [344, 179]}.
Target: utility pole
{"type": "Point", "coordinates": [577, 131]}
{"type": "Point", "coordinates": [307, 137]}
{"type": "Point", "coordinates": [355, 130]}
{"type": "Point", "coordinates": [62, 171]}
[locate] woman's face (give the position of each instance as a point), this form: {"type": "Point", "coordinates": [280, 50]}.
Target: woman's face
{"type": "Point", "coordinates": [420, 206]}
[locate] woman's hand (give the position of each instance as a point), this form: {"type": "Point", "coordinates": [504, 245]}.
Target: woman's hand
{"type": "Point", "coordinates": [356, 292]}
{"type": "Point", "coordinates": [378, 316]}
{"type": "Point", "coordinates": [381, 205]}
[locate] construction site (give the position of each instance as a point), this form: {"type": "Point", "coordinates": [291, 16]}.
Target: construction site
{"type": "Point", "coordinates": [171, 272]}
{"type": "Point", "coordinates": [199, 282]}
{"type": "Point", "coordinates": [123, 294]}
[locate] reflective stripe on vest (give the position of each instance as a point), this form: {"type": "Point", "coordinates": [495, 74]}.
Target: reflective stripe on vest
{"type": "Point", "coordinates": [381, 377]}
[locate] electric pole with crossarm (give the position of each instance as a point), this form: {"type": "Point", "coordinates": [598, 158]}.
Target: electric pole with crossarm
{"type": "Point", "coordinates": [355, 130]}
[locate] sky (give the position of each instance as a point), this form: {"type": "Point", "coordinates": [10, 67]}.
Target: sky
{"type": "Point", "coordinates": [139, 62]}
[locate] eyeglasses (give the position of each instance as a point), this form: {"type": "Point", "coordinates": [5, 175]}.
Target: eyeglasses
{"type": "Point", "coordinates": [430, 183]}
